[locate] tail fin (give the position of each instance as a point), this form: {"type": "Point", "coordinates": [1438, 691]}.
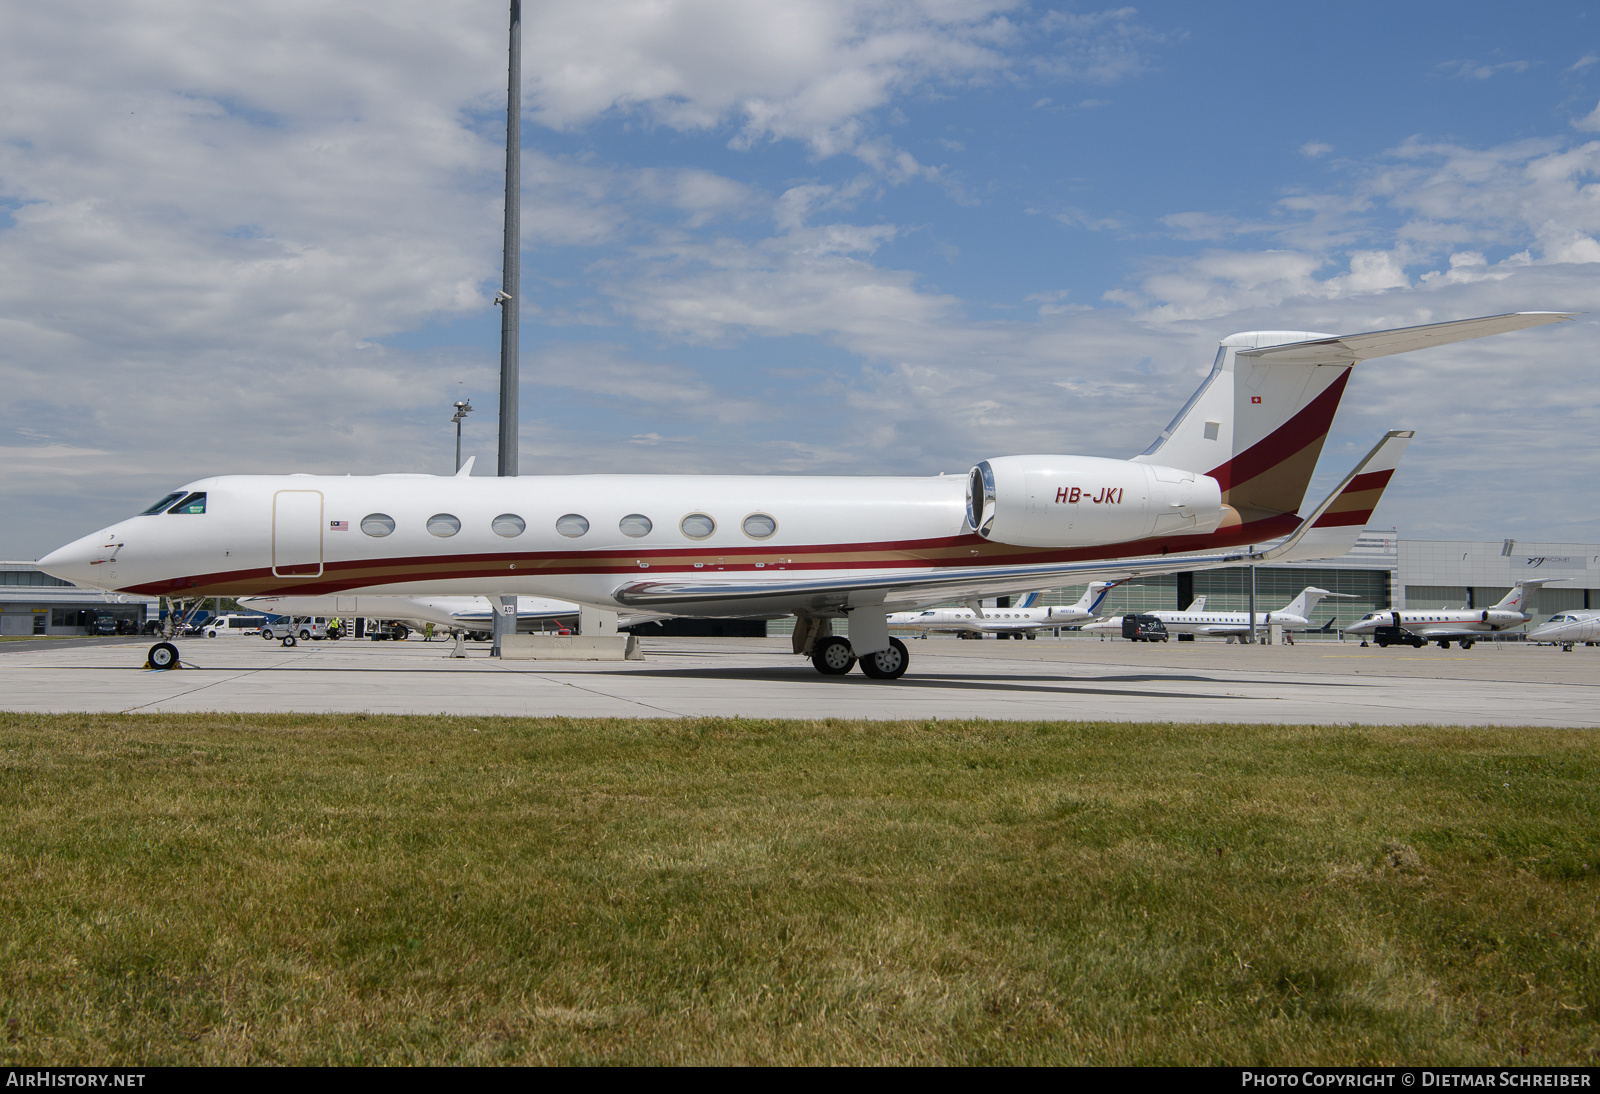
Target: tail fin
{"type": "Point", "coordinates": [1517, 599]}
{"type": "Point", "coordinates": [1032, 599]}
{"type": "Point", "coordinates": [1089, 602]}
{"type": "Point", "coordinates": [1306, 603]}
{"type": "Point", "coordinates": [1198, 604]}
{"type": "Point", "coordinates": [1258, 421]}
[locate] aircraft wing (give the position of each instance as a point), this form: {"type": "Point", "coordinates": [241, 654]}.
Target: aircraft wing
{"type": "Point", "coordinates": [1382, 343]}
{"type": "Point", "coordinates": [826, 595]}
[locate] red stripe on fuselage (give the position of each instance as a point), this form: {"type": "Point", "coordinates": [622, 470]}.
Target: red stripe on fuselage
{"type": "Point", "coordinates": [366, 573]}
{"type": "Point", "coordinates": [1305, 428]}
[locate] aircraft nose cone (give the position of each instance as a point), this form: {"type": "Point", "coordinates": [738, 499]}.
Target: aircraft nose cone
{"type": "Point", "coordinates": [78, 562]}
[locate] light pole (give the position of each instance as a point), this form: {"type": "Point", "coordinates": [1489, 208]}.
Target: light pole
{"type": "Point", "coordinates": [463, 408]}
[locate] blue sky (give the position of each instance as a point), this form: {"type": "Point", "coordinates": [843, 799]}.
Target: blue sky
{"type": "Point", "coordinates": [802, 237]}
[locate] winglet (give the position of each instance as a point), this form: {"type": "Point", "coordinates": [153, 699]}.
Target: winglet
{"type": "Point", "coordinates": [466, 468]}
{"type": "Point", "coordinates": [1332, 527]}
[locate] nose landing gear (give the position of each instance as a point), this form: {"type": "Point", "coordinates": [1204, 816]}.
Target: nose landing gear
{"type": "Point", "coordinates": [162, 655]}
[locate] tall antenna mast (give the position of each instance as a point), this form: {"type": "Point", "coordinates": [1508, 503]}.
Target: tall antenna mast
{"type": "Point", "coordinates": [510, 288]}
{"type": "Point", "coordinates": [505, 620]}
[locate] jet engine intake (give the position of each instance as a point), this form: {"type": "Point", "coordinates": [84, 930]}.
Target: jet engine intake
{"type": "Point", "coordinates": [1085, 501]}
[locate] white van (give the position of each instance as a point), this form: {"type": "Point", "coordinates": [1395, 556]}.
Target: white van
{"type": "Point", "coordinates": [303, 628]}
{"type": "Point", "coordinates": [220, 625]}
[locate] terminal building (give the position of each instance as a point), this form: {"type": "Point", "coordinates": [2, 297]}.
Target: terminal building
{"type": "Point", "coordinates": [34, 603]}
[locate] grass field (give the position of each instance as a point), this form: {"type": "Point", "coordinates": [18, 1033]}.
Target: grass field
{"type": "Point", "coordinates": [294, 889]}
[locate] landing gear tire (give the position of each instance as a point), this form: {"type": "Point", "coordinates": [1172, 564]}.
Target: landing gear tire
{"type": "Point", "coordinates": [163, 655]}
{"type": "Point", "coordinates": [1466, 645]}
{"type": "Point", "coordinates": [288, 640]}
{"type": "Point", "coordinates": [889, 664]}
{"type": "Point", "coordinates": [1445, 644]}
{"type": "Point", "coordinates": [833, 656]}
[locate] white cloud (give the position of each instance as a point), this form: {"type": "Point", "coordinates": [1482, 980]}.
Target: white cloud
{"type": "Point", "coordinates": [1478, 70]}
{"type": "Point", "coordinates": [1590, 122]}
{"type": "Point", "coordinates": [1315, 149]}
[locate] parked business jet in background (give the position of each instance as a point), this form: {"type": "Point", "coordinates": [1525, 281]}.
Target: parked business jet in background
{"type": "Point", "coordinates": [1417, 627]}
{"type": "Point", "coordinates": [1566, 629]}
{"type": "Point", "coordinates": [1294, 616]}
{"type": "Point", "coordinates": [1225, 478]}
{"type": "Point", "coordinates": [1023, 618]}
{"type": "Point", "coordinates": [468, 614]}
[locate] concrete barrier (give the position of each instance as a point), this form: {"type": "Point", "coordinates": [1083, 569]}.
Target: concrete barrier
{"type": "Point", "coordinates": [570, 647]}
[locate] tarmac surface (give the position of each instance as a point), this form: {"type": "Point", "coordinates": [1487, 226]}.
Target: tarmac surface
{"type": "Point", "coordinates": [1074, 679]}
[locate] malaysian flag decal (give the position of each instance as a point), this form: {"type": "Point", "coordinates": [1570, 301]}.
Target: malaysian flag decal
{"type": "Point", "coordinates": [338, 526]}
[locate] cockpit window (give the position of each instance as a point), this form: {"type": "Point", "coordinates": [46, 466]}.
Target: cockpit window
{"type": "Point", "coordinates": [194, 503]}
{"type": "Point", "coordinates": [162, 504]}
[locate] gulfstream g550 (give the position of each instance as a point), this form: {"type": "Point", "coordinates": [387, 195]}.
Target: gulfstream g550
{"type": "Point", "coordinates": [1229, 474]}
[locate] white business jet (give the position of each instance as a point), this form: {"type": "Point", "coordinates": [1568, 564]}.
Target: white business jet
{"type": "Point", "coordinates": [1195, 619]}
{"type": "Point", "coordinates": [1226, 478]}
{"type": "Point", "coordinates": [1566, 629]}
{"type": "Point", "coordinates": [467, 614]}
{"type": "Point", "coordinates": [1022, 618]}
{"type": "Point", "coordinates": [1419, 626]}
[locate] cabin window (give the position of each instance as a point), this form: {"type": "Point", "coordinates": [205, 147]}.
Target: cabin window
{"type": "Point", "coordinates": [443, 524]}
{"type": "Point", "coordinates": [194, 503]}
{"type": "Point", "coordinates": [635, 525]}
{"type": "Point", "coordinates": [377, 524]}
{"type": "Point", "coordinates": [759, 526]}
{"type": "Point", "coordinates": [162, 504]}
{"type": "Point", "coordinates": [508, 525]}
{"type": "Point", "coordinates": [697, 526]}
{"type": "Point", "coordinates": [572, 525]}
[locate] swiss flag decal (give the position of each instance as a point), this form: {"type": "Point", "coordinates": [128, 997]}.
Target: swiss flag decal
{"type": "Point", "coordinates": [1255, 398]}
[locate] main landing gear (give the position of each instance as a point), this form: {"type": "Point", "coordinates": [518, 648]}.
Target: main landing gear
{"type": "Point", "coordinates": [833, 656]}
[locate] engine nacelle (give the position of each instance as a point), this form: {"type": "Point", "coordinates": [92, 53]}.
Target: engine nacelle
{"type": "Point", "coordinates": [1085, 501]}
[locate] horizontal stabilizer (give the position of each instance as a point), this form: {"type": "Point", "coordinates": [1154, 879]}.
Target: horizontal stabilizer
{"type": "Point", "coordinates": [1345, 348]}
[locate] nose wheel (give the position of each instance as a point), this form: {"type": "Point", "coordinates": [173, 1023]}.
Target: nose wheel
{"type": "Point", "coordinates": [163, 655]}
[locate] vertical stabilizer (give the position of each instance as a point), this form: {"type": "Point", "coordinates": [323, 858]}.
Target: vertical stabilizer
{"type": "Point", "coordinates": [1517, 599]}
{"type": "Point", "coordinates": [1256, 424]}
{"type": "Point", "coordinates": [1306, 603]}
{"type": "Point", "coordinates": [1259, 419]}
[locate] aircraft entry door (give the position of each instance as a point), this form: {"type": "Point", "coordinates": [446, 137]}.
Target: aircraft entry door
{"type": "Point", "coordinates": [297, 533]}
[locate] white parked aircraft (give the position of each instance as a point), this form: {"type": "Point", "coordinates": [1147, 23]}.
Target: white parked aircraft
{"type": "Point", "coordinates": [1419, 626]}
{"type": "Point", "coordinates": [1295, 616]}
{"type": "Point", "coordinates": [1227, 475]}
{"type": "Point", "coordinates": [1019, 619]}
{"type": "Point", "coordinates": [1566, 629]}
{"type": "Point", "coordinates": [469, 614]}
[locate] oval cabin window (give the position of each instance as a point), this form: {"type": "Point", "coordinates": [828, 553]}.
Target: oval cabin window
{"type": "Point", "coordinates": [377, 524]}
{"type": "Point", "coordinates": [572, 525]}
{"type": "Point", "coordinates": [635, 525]}
{"type": "Point", "coordinates": [443, 524]}
{"type": "Point", "coordinates": [697, 526]}
{"type": "Point", "coordinates": [759, 526]}
{"type": "Point", "coordinates": [508, 525]}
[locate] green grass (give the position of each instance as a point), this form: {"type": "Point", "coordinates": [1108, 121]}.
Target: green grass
{"type": "Point", "coordinates": [293, 889]}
